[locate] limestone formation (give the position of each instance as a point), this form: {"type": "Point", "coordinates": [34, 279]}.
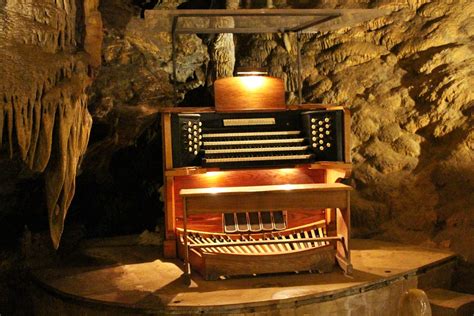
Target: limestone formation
{"type": "Point", "coordinates": [407, 79]}
{"type": "Point", "coordinates": [43, 113]}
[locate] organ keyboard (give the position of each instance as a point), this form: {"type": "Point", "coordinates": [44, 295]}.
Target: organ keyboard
{"type": "Point", "coordinates": [230, 162]}
{"type": "Point", "coordinates": [257, 139]}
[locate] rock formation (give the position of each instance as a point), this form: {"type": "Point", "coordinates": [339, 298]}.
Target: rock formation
{"type": "Point", "coordinates": [407, 79]}
{"type": "Point", "coordinates": [44, 119]}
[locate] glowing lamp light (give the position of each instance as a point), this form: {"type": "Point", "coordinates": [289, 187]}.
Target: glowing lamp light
{"type": "Point", "coordinates": [216, 190]}
{"type": "Point", "coordinates": [253, 82]}
{"type": "Point", "coordinates": [251, 71]}
{"type": "Point", "coordinates": [287, 187]}
{"type": "Point", "coordinates": [212, 174]}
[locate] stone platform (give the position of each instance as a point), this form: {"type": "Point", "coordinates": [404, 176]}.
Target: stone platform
{"type": "Point", "coordinates": [116, 277]}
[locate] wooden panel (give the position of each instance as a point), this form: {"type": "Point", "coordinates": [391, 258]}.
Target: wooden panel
{"type": "Point", "coordinates": [316, 259]}
{"type": "Point", "coordinates": [261, 200]}
{"type": "Point", "coordinates": [249, 93]}
{"type": "Point", "coordinates": [347, 136]}
{"type": "Point", "coordinates": [245, 178]}
{"type": "Point", "coordinates": [308, 107]}
{"type": "Point", "coordinates": [343, 224]}
{"type": "Point", "coordinates": [169, 207]}
{"type": "Point", "coordinates": [182, 109]}
{"type": "Point", "coordinates": [259, 189]}
{"type": "Point", "coordinates": [167, 147]}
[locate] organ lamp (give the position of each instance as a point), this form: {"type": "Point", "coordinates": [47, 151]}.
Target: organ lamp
{"type": "Point", "coordinates": [252, 89]}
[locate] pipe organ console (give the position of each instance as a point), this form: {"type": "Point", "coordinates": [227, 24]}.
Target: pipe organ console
{"type": "Point", "coordinates": [253, 192]}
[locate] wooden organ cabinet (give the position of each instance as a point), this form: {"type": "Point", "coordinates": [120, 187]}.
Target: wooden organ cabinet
{"type": "Point", "coordinates": [255, 188]}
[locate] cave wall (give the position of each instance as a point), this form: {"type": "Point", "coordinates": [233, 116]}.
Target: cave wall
{"type": "Point", "coordinates": [406, 77]}
{"type": "Point", "coordinates": [48, 51]}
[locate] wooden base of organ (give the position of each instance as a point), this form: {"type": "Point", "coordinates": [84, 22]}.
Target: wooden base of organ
{"type": "Point", "coordinates": [301, 248]}
{"type": "Point", "coordinates": [305, 190]}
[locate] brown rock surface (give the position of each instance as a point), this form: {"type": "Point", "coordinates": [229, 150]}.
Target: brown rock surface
{"type": "Point", "coordinates": [44, 119]}
{"type": "Point", "coordinates": [407, 78]}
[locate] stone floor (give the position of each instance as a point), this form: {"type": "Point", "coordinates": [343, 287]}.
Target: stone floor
{"type": "Point", "coordinates": [115, 277]}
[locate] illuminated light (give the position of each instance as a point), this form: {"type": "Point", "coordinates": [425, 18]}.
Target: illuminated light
{"type": "Point", "coordinates": [213, 173]}
{"type": "Point", "coordinates": [286, 171]}
{"type": "Point", "coordinates": [216, 190]}
{"type": "Point", "coordinates": [251, 71]}
{"type": "Point", "coordinates": [287, 187]}
{"type": "Point", "coordinates": [252, 82]}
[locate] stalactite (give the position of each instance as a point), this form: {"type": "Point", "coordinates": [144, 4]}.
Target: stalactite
{"type": "Point", "coordinates": [44, 102]}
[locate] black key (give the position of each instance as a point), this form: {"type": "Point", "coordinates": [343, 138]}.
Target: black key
{"type": "Point", "coordinates": [229, 223]}
{"type": "Point", "coordinates": [242, 224]}
{"type": "Point", "coordinates": [254, 222]}
{"type": "Point", "coordinates": [279, 220]}
{"type": "Point", "coordinates": [266, 220]}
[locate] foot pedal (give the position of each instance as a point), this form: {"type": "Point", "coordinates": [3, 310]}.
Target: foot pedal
{"type": "Point", "coordinates": [254, 220]}
{"type": "Point", "coordinates": [279, 220]}
{"type": "Point", "coordinates": [229, 223]}
{"type": "Point", "coordinates": [242, 223]}
{"type": "Point", "coordinates": [267, 223]}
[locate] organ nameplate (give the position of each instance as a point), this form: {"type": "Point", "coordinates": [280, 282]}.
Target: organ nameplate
{"type": "Point", "coordinates": [249, 121]}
